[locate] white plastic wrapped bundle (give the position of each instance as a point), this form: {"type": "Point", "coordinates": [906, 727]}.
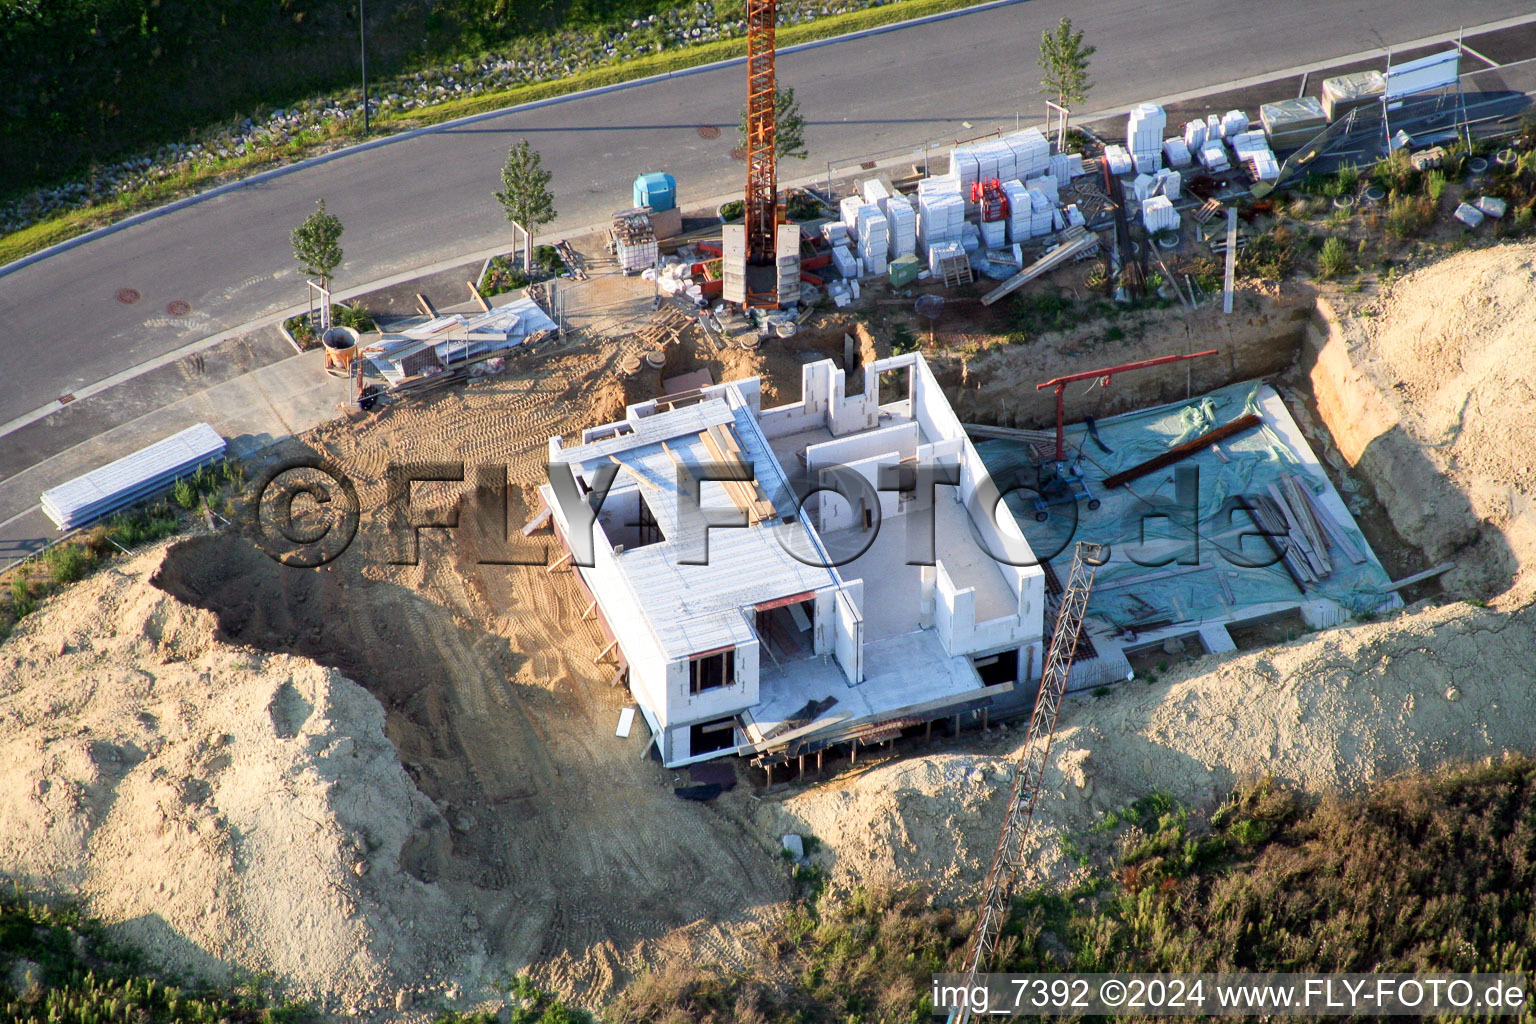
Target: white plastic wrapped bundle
{"type": "Point", "coordinates": [1061, 167]}
{"type": "Point", "coordinates": [994, 233]}
{"type": "Point", "coordinates": [1158, 214]}
{"type": "Point", "coordinates": [1019, 209]}
{"type": "Point", "coordinates": [939, 183]}
{"type": "Point", "coordinates": [1176, 153]}
{"type": "Point", "coordinates": [1213, 156]}
{"type": "Point", "coordinates": [1143, 186]}
{"type": "Point", "coordinates": [1119, 160]}
{"type": "Point", "coordinates": [1244, 143]}
{"type": "Point", "coordinates": [1147, 163]}
{"type": "Point", "coordinates": [1194, 135]}
{"type": "Point", "coordinates": [1074, 165]}
{"type": "Point", "coordinates": [874, 239]}
{"type": "Point", "coordinates": [964, 168]}
{"type": "Point", "coordinates": [1040, 213]}
{"type": "Point", "coordinates": [1170, 183]}
{"type": "Point", "coordinates": [1234, 122]}
{"type": "Point", "coordinates": [1213, 128]}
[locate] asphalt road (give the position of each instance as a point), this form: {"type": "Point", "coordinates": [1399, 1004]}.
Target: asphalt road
{"type": "Point", "coordinates": [426, 199]}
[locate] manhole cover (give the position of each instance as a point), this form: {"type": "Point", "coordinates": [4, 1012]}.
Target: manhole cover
{"type": "Point", "coordinates": [128, 296]}
{"type": "Point", "coordinates": [739, 153]}
{"type": "Point", "coordinates": [709, 131]}
{"type": "Point", "coordinates": [178, 308]}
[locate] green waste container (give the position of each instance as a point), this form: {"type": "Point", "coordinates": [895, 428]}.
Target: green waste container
{"type": "Point", "coordinates": [904, 270]}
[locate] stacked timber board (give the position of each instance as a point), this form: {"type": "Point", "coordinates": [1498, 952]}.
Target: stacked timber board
{"type": "Point", "coordinates": [117, 484]}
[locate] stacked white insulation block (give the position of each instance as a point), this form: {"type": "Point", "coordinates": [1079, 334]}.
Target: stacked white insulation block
{"type": "Point", "coordinates": [874, 239]}
{"type": "Point", "coordinates": [1158, 214]}
{"type": "Point", "coordinates": [944, 250]}
{"type": "Point", "coordinates": [1233, 122]}
{"type": "Point", "coordinates": [1041, 207]}
{"type": "Point", "coordinates": [1047, 183]}
{"type": "Point", "coordinates": [849, 213]}
{"type": "Point", "coordinates": [1213, 156]}
{"type": "Point", "coordinates": [1176, 153]}
{"type": "Point", "coordinates": [1143, 187]}
{"type": "Point", "coordinates": [1213, 129]}
{"type": "Point", "coordinates": [1194, 135]}
{"type": "Point", "coordinates": [965, 168]}
{"type": "Point", "coordinates": [836, 233]}
{"type": "Point", "coordinates": [903, 227]}
{"type": "Point", "coordinates": [1031, 153]}
{"type": "Point", "coordinates": [1170, 183]}
{"type": "Point", "coordinates": [1144, 136]}
{"type": "Point", "coordinates": [844, 260]}
{"type": "Point", "coordinates": [970, 236]}
{"type": "Point", "coordinates": [1119, 160]}
{"type": "Point", "coordinates": [994, 233]}
{"type": "Point", "coordinates": [875, 193]}
{"type": "Point", "coordinates": [1019, 209]}
{"type": "Point", "coordinates": [940, 211]}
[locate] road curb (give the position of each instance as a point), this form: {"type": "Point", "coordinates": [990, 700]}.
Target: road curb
{"type": "Point", "coordinates": [361, 147]}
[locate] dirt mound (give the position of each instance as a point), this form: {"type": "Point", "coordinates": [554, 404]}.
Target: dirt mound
{"type": "Point", "coordinates": [1455, 352]}
{"type": "Point", "coordinates": [1326, 715]}
{"type": "Point", "coordinates": [225, 808]}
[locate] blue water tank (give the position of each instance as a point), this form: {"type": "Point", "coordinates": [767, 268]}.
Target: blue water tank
{"type": "Point", "coordinates": [656, 190]}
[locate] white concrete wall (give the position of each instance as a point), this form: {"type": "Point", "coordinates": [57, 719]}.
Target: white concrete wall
{"type": "Point", "coordinates": [738, 695]}
{"type": "Point", "coordinates": [836, 512]}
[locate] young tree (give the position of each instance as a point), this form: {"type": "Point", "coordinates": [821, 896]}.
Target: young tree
{"type": "Point", "coordinates": [525, 195]}
{"type": "Point", "coordinates": [789, 125]}
{"type": "Point", "coordinates": [1064, 64]}
{"type": "Point", "coordinates": [317, 244]}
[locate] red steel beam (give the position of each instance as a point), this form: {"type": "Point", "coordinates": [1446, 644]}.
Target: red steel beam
{"type": "Point", "coordinates": [1060, 384]}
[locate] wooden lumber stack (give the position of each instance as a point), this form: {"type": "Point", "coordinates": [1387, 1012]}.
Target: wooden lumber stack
{"type": "Point", "coordinates": [1304, 529]}
{"type": "Point", "coordinates": [1074, 240]}
{"type": "Point", "coordinates": [744, 494]}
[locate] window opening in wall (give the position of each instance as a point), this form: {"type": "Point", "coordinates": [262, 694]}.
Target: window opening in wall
{"type": "Point", "coordinates": [711, 671]}
{"type": "Point", "coordinates": [708, 737]}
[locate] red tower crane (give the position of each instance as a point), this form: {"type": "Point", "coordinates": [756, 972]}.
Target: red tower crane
{"type": "Point", "coordinates": [762, 198]}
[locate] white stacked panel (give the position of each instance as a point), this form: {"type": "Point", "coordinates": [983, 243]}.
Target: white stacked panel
{"type": "Point", "coordinates": [940, 212]}
{"type": "Point", "coordinates": [1040, 213]}
{"type": "Point", "coordinates": [1144, 132]}
{"type": "Point", "coordinates": [1061, 167]}
{"type": "Point", "coordinates": [964, 168]}
{"type": "Point", "coordinates": [836, 233]}
{"type": "Point", "coordinates": [1245, 143]}
{"type": "Point", "coordinates": [1019, 209]}
{"type": "Point", "coordinates": [1158, 214]}
{"type": "Point", "coordinates": [1265, 167]}
{"type": "Point", "coordinates": [994, 233]}
{"type": "Point", "coordinates": [938, 183]}
{"type": "Point", "coordinates": [1074, 165]}
{"type": "Point", "coordinates": [1213, 128]}
{"type": "Point", "coordinates": [845, 262]}
{"type": "Point", "coordinates": [849, 209]}
{"type": "Point", "coordinates": [1176, 153]}
{"type": "Point", "coordinates": [1031, 152]}
{"type": "Point", "coordinates": [1170, 183]}
{"type": "Point", "coordinates": [903, 226]}
{"type": "Point", "coordinates": [1142, 187]}
{"type": "Point", "coordinates": [874, 239]}
{"type": "Point", "coordinates": [1119, 160]}
{"type": "Point", "coordinates": [1213, 156]}
{"type": "Point", "coordinates": [875, 193]}
{"type": "Point", "coordinates": [1234, 122]}
{"type": "Point", "coordinates": [1194, 135]}
{"type": "Point", "coordinates": [152, 468]}
{"type": "Point", "coordinates": [943, 251]}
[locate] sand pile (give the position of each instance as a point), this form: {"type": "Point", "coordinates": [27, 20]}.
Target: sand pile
{"type": "Point", "coordinates": [1455, 351]}
{"type": "Point", "coordinates": [225, 808]}
{"type": "Point", "coordinates": [1326, 715]}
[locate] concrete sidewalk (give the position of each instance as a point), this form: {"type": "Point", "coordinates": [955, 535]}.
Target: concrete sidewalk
{"type": "Point", "coordinates": [251, 411]}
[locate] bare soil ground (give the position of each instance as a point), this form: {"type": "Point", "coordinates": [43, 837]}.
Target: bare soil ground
{"type": "Point", "coordinates": [376, 776]}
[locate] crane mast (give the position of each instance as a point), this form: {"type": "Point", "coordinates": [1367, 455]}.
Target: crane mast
{"type": "Point", "coordinates": [762, 197]}
{"type": "Point", "coordinates": [1030, 769]}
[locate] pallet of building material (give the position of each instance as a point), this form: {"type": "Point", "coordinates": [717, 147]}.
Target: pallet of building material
{"type": "Point", "coordinates": [132, 477]}
{"type": "Point", "coordinates": [1074, 241]}
{"type": "Point", "coordinates": [1337, 536]}
{"type": "Point", "coordinates": [1277, 534]}
{"type": "Point", "coordinates": [1301, 539]}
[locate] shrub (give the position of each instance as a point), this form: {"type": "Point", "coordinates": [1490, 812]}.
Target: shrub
{"type": "Point", "coordinates": [66, 562]}
{"type": "Point", "coordinates": [1333, 260]}
{"type": "Point", "coordinates": [1409, 215]}
{"type": "Point", "coordinates": [22, 604]}
{"type": "Point", "coordinates": [353, 315]}
{"type": "Point", "coordinates": [185, 494]}
{"type": "Point", "coordinates": [1396, 172]}
{"type": "Point", "coordinates": [1348, 178]}
{"type": "Point", "coordinates": [1434, 185]}
{"type": "Point", "coordinates": [502, 275]}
